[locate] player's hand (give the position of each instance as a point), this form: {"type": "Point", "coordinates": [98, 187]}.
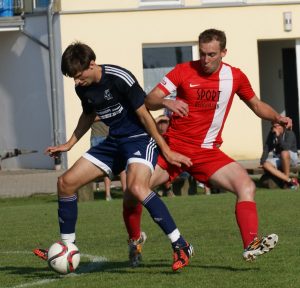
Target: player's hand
{"type": "Point", "coordinates": [177, 159]}
{"type": "Point", "coordinates": [177, 106]}
{"type": "Point", "coordinates": [286, 121]}
{"type": "Point", "coordinates": [55, 151]}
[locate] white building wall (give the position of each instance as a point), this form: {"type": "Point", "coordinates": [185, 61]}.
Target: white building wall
{"type": "Point", "coordinates": [117, 37]}
{"type": "Point", "coordinates": [25, 106]}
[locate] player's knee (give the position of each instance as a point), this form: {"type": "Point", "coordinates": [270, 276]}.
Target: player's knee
{"type": "Point", "coordinates": [285, 154]}
{"type": "Point", "coordinates": [266, 165]}
{"type": "Point", "coordinates": [129, 201]}
{"type": "Point", "coordinates": [249, 190]}
{"type": "Point", "coordinates": [137, 190]}
{"type": "Point", "coordinates": [63, 187]}
{"type": "Point", "coordinates": [246, 191]}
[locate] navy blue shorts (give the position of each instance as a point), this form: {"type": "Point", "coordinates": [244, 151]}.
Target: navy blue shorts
{"type": "Point", "coordinates": [114, 154]}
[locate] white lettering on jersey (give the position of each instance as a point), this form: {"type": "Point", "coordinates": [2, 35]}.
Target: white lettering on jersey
{"type": "Point", "coordinates": [225, 86]}
{"type": "Point", "coordinates": [110, 111]}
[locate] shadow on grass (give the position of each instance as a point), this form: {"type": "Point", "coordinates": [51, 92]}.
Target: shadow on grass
{"type": "Point", "coordinates": [117, 267]}
{"type": "Point", "coordinates": [228, 268]}
{"type": "Point", "coordinates": [193, 265]}
{"type": "Point", "coordinates": [29, 272]}
{"type": "Point", "coordinates": [122, 267]}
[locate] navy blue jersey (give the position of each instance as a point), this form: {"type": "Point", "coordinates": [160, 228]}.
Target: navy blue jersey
{"type": "Point", "coordinates": [115, 99]}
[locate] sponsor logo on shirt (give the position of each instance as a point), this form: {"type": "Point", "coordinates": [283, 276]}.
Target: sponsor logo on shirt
{"type": "Point", "coordinates": [194, 85]}
{"type": "Point", "coordinates": [110, 111]}
{"type": "Point", "coordinates": [209, 95]}
{"type": "Point", "coordinates": [208, 98]}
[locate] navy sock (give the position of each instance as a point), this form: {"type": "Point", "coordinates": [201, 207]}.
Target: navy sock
{"type": "Point", "coordinates": [159, 213]}
{"type": "Point", "coordinates": [67, 214]}
{"type": "Point", "coordinates": [180, 242]}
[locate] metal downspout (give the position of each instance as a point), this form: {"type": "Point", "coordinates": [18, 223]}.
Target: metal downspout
{"type": "Point", "coordinates": [53, 82]}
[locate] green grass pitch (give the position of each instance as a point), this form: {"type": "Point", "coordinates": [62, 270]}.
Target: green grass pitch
{"type": "Point", "coordinates": [208, 222]}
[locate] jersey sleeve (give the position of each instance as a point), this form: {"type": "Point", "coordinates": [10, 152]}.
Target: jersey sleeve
{"type": "Point", "coordinates": [171, 81]}
{"type": "Point", "coordinates": [87, 107]}
{"type": "Point", "coordinates": [131, 89]}
{"type": "Point", "coordinates": [245, 90]}
{"type": "Point", "coordinates": [136, 96]}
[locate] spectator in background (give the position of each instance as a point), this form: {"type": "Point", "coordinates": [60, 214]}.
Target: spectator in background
{"type": "Point", "coordinates": [280, 154]}
{"type": "Point", "coordinates": [162, 122]}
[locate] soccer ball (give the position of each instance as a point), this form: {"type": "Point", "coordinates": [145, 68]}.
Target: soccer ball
{"type": "Point", "coordinates": [63, 257]}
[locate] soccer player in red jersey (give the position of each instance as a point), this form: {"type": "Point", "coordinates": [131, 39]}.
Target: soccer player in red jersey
{"type": "Point", "coordinates": [205, 90]}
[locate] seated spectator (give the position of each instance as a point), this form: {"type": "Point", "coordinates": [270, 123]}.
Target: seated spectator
{"type": "Point", "coordinates": [279, 154]}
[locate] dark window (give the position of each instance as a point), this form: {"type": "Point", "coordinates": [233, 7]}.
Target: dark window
{"type": "Point", "coordinates": [166, 56]}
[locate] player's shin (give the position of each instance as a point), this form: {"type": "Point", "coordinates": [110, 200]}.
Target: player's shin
{"type": "Point", "coordinates": [132, 218]}
{"type": "Point", "coordinates": [67, 217]}
{"type": "Point", "coordinates": [163, 218]}
{"type": "Point", "coordinates": [247, 219]}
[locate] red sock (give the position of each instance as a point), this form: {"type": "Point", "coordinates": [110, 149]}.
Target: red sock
{"type": "Point", "coordinates": [132, 218]}
{"type": "Point", "coordinates": [246, 217]}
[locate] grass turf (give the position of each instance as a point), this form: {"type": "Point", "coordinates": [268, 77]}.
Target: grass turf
{"type": "Point", "coordinates": [208, 222]}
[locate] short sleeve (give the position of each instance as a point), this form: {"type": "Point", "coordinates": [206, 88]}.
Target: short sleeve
{"type": "Point", "coordinates": [171, 81]}
{"type": "Point", "coordinates": [245, 91]}
{"type": "Point", "coordinates": [131, 90]}
{"type": "Point", "coordinates": [87, 107]}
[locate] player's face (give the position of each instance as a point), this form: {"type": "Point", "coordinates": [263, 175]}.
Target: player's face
{"type": "Point", "coordinates": [211, 56]}
{"type": "Point", "coordinates": [86, 77]}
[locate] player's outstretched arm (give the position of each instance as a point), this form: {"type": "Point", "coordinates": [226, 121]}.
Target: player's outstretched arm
{"type": "Point", "coordinates": [150, 125]}
{"type": "Point", "coordinates": [84, 123]}
{"type": "Point", "coordinates": [266, 112]}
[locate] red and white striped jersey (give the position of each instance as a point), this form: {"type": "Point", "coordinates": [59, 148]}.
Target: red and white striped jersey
{"type": "Point", "coordinates": [209, 98]}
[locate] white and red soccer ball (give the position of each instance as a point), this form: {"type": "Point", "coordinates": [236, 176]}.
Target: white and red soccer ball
{"type": "Point", "coordinates": [63, 257]}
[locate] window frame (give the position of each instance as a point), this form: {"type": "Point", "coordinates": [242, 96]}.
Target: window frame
{"type": "Point", "coordinates": [194, 50]}
{"type": "Point", "coordinates": [223, 2]}
{"type": "Point", "coordinates": [149, 3]}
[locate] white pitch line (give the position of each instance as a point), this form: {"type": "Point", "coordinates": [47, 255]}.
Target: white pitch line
{"type": "Point", "coordinates": [96, 262]}
{"type": "Point", "coordinates": [45, 281]}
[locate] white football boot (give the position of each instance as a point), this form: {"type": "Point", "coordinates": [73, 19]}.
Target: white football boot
{"type": "Point", "coordinates": [260, 246]}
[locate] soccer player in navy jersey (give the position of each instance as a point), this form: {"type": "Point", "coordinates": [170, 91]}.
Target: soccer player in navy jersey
{"type": "Point", "coordinates": [113, 94]}
{"type": "Point", "coordinates": [205, 90]}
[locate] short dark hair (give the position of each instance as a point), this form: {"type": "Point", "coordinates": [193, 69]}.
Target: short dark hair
{"type": "Point", "coordinates": [213, 34]}
{"type": "Point", "coordinates": [76, 58]}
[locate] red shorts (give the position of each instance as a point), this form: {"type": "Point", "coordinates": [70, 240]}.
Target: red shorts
{"type": "Point", "coordinates": [205, 161]}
